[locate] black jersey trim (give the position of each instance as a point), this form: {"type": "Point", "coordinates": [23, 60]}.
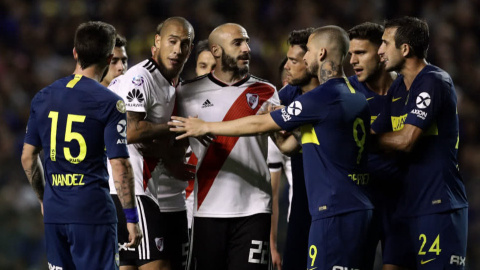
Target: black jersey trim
{"type": "Point", "coordinates": [222, 84]}
{"type": "Point", "coordinates": [151, 65]}
{"type": "Point", "coordinates": [194, 79]}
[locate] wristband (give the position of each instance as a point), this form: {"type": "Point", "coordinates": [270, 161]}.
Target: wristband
{"type": "Point", "coordinates": [131, 215]}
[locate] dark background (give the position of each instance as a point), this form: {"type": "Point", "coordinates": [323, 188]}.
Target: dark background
{"type": "Point", "coordinates": [36, 41]}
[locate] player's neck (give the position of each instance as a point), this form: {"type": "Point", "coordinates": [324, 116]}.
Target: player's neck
{"type": "Point", "coordinates": [382, 82]}
{"type": "Point", "coordinates": [92, 72]}
{"type": "Point", "coordinates": [412, 67]}
{"type": "Point", "coordinates": [311, 85]}
{"type": "Point", "coordinates": [227, 77]}
{"type": "Point", "coordinates": [105, 82]}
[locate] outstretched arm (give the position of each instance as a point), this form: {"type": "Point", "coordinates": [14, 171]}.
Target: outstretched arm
{"type": "Point", "coordinates": [246, 126]}
{"type": "Point", "coordinates": [32, 165]}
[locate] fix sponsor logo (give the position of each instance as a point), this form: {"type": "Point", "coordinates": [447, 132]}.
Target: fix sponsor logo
{"type": "Point", "coordinates": [457, 260]}
{"type": "Point", "coordinates": [125, 247]}
{"type": "Point", "coordinates": [122, 130]}
{"type": "Point", "coordinates": [259, 253]}
{"type": "Point", "coordinates": [423, 100]}
{"type": "Point", "coordinates": [419, 113]}
{"type": "Point", "coordinates": [138, 80]}
{"type": "Point", "coordinates": [54, 267]}
{"type": "Point", "coordinates": [336, 267]}
{"type": "Point", "coordinates": [135, 94]}
{"type": "Point", "coordinates": [69, 180]}
{"type": "Point", "coordinates": [295, 108]}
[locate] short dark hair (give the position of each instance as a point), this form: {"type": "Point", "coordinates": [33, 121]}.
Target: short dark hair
{"type": "Point", "coordinates": [94, 43]}
{"type": "Point", "coordinates": [120, 41]}
{"type": "Point", "coordinates": [300, 37]}
{"type": "Point", "coordinates": [411, 31]}
{"type": "Point", "coordinates": [201, 46]}
{"type": "Point", "coordinates": [180, 20]}
{"type": "Point", "coordinates": [369, 31]}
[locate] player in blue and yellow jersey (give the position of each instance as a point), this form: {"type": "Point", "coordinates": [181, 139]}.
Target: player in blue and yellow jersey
{"type": "Point", "coordinates": [372, 80]}
{"type": "Point", "coordinates": [78, 122]}
{"type": "Point", "coordinates": [299, 82]}
{"type": "Point", "coordinates": [334, 121]}
{"type": "Point", "coordinates": [421, 119]}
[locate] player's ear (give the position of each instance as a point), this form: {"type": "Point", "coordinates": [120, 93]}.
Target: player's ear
{"type": "Point", "coordinates": [75, 54]}
{"type": "Point", "coordinates": [158, 40]}
{"type": "Point", "coordinates": [405, 49]}
{"type": "Point", "coordinates": [216, 51]}
{"type": "Point", "coordinates": [322, 54]}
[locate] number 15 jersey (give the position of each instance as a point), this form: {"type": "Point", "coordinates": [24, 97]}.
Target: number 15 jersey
{"type": "Point", "coordinates": [78, 122]}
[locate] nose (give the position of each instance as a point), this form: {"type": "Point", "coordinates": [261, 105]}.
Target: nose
{"type": "Point", "coordinates": [381, 50]}
{"type": "Point", "coordinates": [121, 66]}
{"type": "Point", "coordinates": [353, 59]}
{"type": "Point", "coordinates": [286, 66]}
{"type": "Point", "coordinates": [245, 47]}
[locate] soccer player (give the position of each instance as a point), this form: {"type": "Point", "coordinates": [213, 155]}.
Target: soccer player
{"type": "Point", "coordinates": [372, 80]}
{"type": "Point", "coordinates": [300, 81]}
{"type": "Point", "coordinates": [158, 164]}
{"type": "Point", "coordinates": [421, 120]}
{"type": "Point", "coordinates": [205, 60]}
{"type": "Point", "coordinates": [232, 208]}
{"type": "Point", "coordinates": [119, 64]}
{"type": "Point", "coordinates": [79, 122]}
{"type": "Point", "coordinates": [334, 122]}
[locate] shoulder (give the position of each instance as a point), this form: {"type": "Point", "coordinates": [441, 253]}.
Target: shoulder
{"type": "Point", "coordinates": [435, 76]}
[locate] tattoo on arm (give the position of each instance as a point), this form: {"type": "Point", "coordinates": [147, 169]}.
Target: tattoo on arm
{"type": "Point", "coordinates": [35, 177]}
{"type": "Point", "coordinates": [328, 70]}
{"type": "Point", "coordinates": [125, 184]}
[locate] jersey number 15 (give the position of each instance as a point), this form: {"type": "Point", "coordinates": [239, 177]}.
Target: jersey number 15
{"type": "Point", "coordinates": [69, 136]}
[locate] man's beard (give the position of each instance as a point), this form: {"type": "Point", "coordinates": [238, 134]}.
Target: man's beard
{"type": "Point", "coordinates": [169, 74]}
{"type": "Point", "coordinates": [229, 63]}
{"type": "Point", "coordinates": [302, 81]}
{"type": "Point", "coordinates": [312, 70]}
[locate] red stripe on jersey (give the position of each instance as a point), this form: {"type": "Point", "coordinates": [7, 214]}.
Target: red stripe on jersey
{"type": "Point", "coordinates": [149, 165]}
{"type": "Point", "coordinates": [220, 148]}
{"type": "Point", "coordinates": [191, 183]}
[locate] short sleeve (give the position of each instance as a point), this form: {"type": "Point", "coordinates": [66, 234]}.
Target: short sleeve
{"type": "Point", "coordinates": [116, 131]}
{"type": "Point", "coordinates": [309, 108]}
{"type": "Point", "coordinates": [133, 88]}
{"type": "Point", "coordinates": [427, 102]}
{"type": "Point", "coordinates": [32, 136]}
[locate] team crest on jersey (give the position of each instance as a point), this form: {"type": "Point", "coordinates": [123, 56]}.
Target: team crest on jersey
{"type": "Point", "coordinates": [423, 100]}
{"type": "Point", "coordinates": [295, 108]}
{"type": "Point", "coordinates": [138, 80]}
{"type": "Point", "coordinates": [252, 100]}
{"type": "Point", "coordinates": [121, 106]}
{"type": "Point", "coordinates": [159, 243]}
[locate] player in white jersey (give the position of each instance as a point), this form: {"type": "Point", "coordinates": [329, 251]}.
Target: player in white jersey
{"type": "Point", "coordinates": [149, 92]}
{"type": "Point", "coordinates": [232, 188]}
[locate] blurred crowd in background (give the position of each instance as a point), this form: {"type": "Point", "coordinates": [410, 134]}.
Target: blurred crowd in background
{"type": "Point", "coordinates": [36, 42]}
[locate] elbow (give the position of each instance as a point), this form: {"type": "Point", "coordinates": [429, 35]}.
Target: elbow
{"type": "Point", "coordinates": [406, 146]}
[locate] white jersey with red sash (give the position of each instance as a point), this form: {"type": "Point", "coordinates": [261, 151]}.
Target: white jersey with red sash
{"type": "Point", "coordinates": [232, 177]}
{"type": "Point", "coordinates": [145, 90]}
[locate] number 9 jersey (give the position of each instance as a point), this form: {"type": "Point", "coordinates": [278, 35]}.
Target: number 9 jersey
{"type": "Point", "coordinates": [78, 123]}
{"type": "Point", "coordinates": [335, 124]}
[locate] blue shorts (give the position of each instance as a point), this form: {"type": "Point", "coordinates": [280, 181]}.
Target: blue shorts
{"type": "Point", "coordinates": [440, 239]}
{"type": "Point", "coordinates": [82, 246]}
{"type": "Point", "coordinates": [346, 241]}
